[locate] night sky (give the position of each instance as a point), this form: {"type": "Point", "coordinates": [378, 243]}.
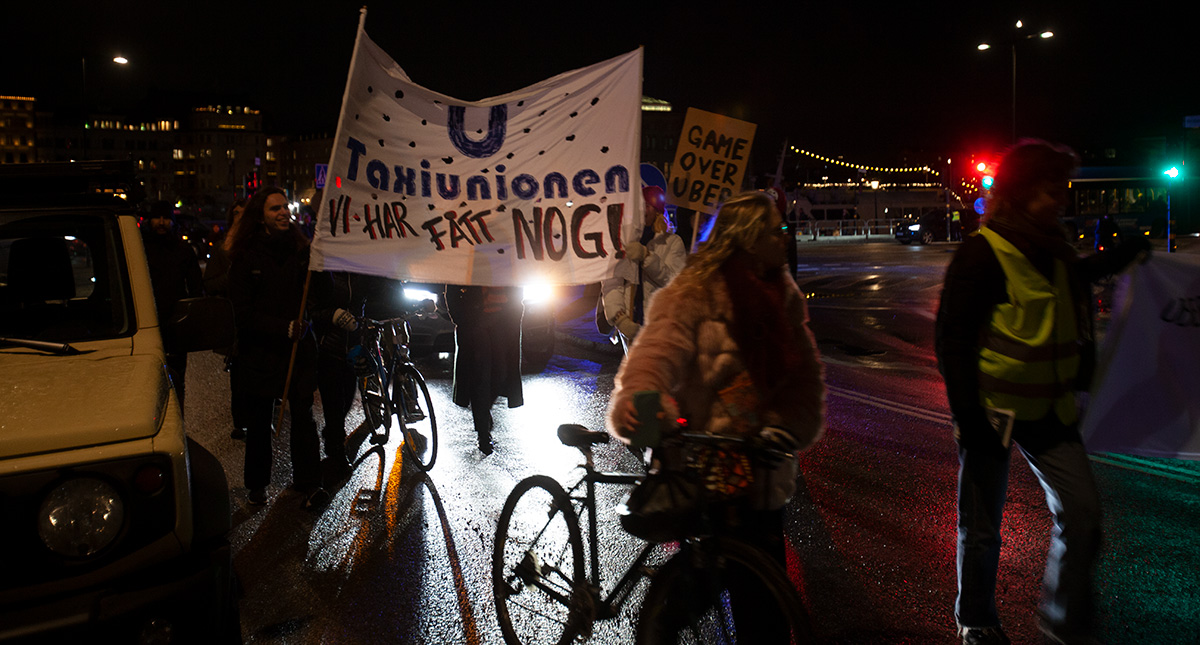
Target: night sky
{"type": "Point", "coordinates": [876, 86]}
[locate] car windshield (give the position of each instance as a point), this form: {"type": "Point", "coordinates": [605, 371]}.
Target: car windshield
{"type": "Point", "coordinates": [61, 278]}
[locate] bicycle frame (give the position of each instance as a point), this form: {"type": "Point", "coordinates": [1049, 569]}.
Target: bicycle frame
{"type": "Point", "coordinates": [608, 605]}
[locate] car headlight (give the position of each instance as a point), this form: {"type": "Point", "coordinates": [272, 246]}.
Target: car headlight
{"type": "Point", "coordinates": [536, 294]}
{"type": "Point", "coordinates": [419, 294]}
{"type": "Point", "coordinates": [80, 517]}
{"type": "Point", "coordinates": [914, 227]}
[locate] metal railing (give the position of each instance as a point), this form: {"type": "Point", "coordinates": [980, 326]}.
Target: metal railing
{"type": "Point", "coordinates": [809, 230]}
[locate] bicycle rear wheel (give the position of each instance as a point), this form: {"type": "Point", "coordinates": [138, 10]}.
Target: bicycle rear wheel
{"type": "Point", "coordinates": [411, 402]}
{"type": "Point", "coordinates": [537, 566]}
{"type": "Point", "coordinates": [689, 599]}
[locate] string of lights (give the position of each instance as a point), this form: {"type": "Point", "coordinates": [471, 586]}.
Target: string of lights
{"type": "Point", "coordinates": [863, 166]}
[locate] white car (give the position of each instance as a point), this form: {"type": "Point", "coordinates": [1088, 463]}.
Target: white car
{"type": "Point", "coordinates": [115, 523]}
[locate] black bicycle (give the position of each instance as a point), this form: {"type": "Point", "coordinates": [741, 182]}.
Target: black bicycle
{"type": "Point", "coordinates": [698, 596]}
{"type": "Point", "coordinates": [717, 588]}
{"type": "Point", "coordinates": [390, 384]}
{"type": "Point", "coordinates": [538, 574]}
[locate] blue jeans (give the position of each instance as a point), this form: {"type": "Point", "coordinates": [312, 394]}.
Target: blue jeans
{"type": "Point", "coordinates": [1055, 453]}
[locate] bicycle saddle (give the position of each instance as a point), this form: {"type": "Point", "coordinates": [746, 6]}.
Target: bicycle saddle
{"type": "Point", "coordinates": [577, 436]}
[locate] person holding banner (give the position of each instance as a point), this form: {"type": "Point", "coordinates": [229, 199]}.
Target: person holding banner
{"type": "Point", "coordinates": [1013, 341]}
{"type": "Point", "coordinates": [650, 262]}
{"type": "Point", "coordinates": [269, 263]}
{"type": "Point", "coordinates": [487, 352]}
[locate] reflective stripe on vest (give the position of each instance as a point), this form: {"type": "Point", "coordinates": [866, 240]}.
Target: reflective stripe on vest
{"type": "Point", "coordinates": [1029, 353]}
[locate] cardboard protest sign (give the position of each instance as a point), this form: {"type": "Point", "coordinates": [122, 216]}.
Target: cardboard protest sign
{"type": "Point", "coordinates": [532, 185]}
{"type": "Point", "coordinates": [710, 160]}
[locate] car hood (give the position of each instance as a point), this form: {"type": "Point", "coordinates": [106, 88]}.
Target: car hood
{"type": "Point", "coordinates": [52, 403]}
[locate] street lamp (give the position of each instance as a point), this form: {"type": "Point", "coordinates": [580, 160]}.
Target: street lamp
{"type": "Point", "coordinates": [1013, 47]}
{"type": "Point", "coordinates": [119, 60]}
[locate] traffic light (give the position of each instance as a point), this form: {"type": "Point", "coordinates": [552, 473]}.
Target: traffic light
{"type": "Point", "coordinates": [986, 174]}
{"type": "Point", "coordinates": [252, 182]}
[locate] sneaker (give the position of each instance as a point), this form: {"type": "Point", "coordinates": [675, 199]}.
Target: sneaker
{"type": "Point", "coordinates": [413, 413]}
{"type": "Point", "coordinates": [316, 500]}
{"type": "Point", "coordinates": [983, 636]}
{"type": "Point", "coordinates": [257, 496]}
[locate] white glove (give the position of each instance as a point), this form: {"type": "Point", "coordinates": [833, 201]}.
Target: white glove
{"type": "Point", "coordinates": [626, 326]}
{"type": "Point", "coordinates": [635, 251]}
{"type": "Point", "coordinates": [779, 438]}
{"type": "Point", "coordinates": [344, 319]}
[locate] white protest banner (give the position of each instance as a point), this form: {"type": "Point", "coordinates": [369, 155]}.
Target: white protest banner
{"type": "Point", "coordinates": [532, 185]}
{"type": "Point", "coordinates": [710, 160]}
{"type": "Point", "coordinates": [1145, 399]}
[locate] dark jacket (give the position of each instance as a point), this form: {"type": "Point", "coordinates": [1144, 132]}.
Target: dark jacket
{"type": "Point", "coordinates": [266, 283]}
{"type": "Point", "coordinates": [487, 341]}
{"type": "Point", "coordinates": [216, 270]}
{"type": "Point", "coordinates": [974, 286]}
{"type": "Point", "coordinates": [328, 292]}
{"type": "Point", "coordinates": [174, 271]}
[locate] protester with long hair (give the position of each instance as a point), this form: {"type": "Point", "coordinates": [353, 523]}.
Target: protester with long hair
{"type": "Point", "coordinates": [1014, 340]}
{"type": "Point", "coordinates": [269, 262]}
{"type": "Point", "coordinates": [726, 345]}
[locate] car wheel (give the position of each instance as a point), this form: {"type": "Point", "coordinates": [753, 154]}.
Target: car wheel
{"type": "Point", "coordinates": [926, 237]}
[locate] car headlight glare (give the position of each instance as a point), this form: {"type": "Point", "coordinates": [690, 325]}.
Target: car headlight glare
{"type": "Point", "coordinates": [80, 517]}
{"type": "Point", "coordinates": [914, 227]}
{"type": "Point", "coordinates": [419, 294]}
{"type": "Point", "coordinates": [538, 293]}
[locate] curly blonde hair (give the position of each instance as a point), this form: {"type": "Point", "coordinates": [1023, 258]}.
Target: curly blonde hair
{"type": "Point", "coordinates": [739, 222]}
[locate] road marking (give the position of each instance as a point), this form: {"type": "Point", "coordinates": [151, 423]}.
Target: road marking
{"type": "Point", "coordinates": [1128, 462]}
{"type": "Point", "coordinates": [902, 408]}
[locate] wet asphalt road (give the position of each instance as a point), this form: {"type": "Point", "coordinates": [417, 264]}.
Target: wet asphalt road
{"type": "Point", "coordinates": [399, 557]}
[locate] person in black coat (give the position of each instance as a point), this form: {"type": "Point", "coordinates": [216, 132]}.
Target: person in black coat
{"type": "Point", "coordinates": [269, 264]}
{"type": "Point", "coordinates": [336, 300]}
{"type": "Point", "coordinates": [174, 275]}
{"type": "Point", "coordinates": [487, 358]}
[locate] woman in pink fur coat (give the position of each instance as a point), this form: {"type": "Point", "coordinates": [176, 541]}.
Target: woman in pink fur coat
{"type": "Point", "coordinates": [726, 345]}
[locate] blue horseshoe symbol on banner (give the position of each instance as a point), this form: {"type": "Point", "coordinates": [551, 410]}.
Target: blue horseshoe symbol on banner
{"type": "Point", "coordinates": [490, 144]}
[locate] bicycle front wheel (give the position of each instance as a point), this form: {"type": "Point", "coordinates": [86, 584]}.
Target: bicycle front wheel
{"type": "Point", "coordinates": [411, 402]}
{"type": "Point", "coordinates": [722, 591]}
{"type": "Point", "coordinates": [537, 566]}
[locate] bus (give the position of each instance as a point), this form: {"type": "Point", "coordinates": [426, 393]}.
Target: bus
{"type": "Point", "coordinates": [1131, 198]}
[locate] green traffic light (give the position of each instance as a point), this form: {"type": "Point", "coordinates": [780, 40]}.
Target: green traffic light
{"type": "Point", "coordinates": [1172, 172]}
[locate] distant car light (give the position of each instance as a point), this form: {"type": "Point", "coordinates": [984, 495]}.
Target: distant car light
{"type": "Point", "coordinates": [914, 227]}
{"type": "Point", "coordinates": [81, 517]}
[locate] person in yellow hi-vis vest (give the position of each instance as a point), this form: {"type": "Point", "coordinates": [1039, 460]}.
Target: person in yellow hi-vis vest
{"type": "Point", "coordinates": [1014, 331]}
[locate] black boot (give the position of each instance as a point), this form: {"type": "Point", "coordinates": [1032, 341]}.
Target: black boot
{"type": "Point", "coordinates": [485, 436]}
